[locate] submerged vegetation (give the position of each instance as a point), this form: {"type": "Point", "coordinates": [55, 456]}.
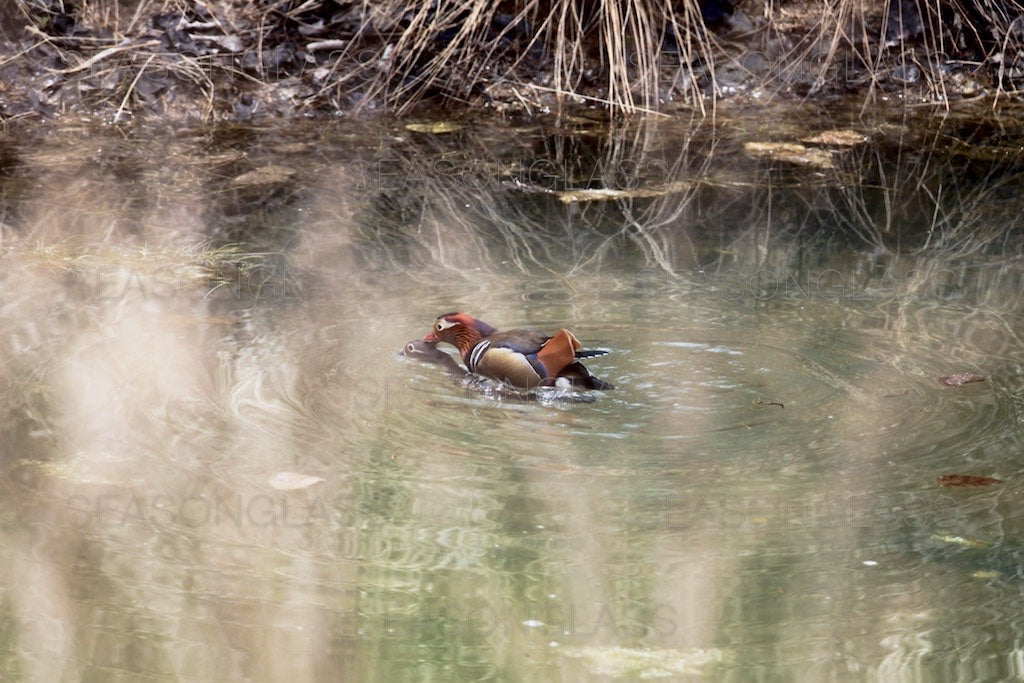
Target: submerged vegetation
{"type": "Point", "coordinates": [240, 58]}
{"type": "Point", "coordinates": [923, 204]}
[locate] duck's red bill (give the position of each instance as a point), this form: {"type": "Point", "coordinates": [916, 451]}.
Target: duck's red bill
{"type": "Point", "coordinates": [432, 338]}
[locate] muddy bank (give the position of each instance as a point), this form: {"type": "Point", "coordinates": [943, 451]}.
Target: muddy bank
{"type": "Point", "coordinates": [244, 59]}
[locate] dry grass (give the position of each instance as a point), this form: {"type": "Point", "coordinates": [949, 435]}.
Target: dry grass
{"type": "Point", "coordinates": [611, 51]}
{"type": "Point", "coordinates": [243, 56]}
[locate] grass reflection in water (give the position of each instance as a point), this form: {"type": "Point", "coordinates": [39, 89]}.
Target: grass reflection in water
{"type": "Point", "coordinates": [217, 469]}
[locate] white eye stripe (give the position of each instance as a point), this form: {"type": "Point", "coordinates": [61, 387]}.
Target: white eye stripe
{"type": "Point", "coordinates": [443, 324]}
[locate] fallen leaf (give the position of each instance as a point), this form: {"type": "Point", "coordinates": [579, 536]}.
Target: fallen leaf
{"type": "Point", "coordinates": [770, 403]}
{"type": "Point", "coordinates": [231, 43]}
{"type": "Point", "coordinates": [837, 138]}
{"type": "Point", "coordinates": [960, 540]}
{"type": "Point", "coordinates": [326, 45]}
{"type": "Point", "coordinates": [792, 152]}
{"type": "Point", "coordinates": [293, 481]}
{"type": "Point", "coordinates": [960, 379]}
{"type": "Point", "coordinates": [268, 175]}
{"type": "Point", "coordinates": [985, 574]}
{"type": "Point", "coordinates": [603, 193]}
{"type": "Point", "coordinates": [436, 127]}
{"type": "Point", "coordinates": [966, 480]}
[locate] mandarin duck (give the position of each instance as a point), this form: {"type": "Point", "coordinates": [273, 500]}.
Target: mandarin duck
{"type": "Point", "coordinates": [427, 352]}
{"type": "Point", "coordinates": [523, 358]}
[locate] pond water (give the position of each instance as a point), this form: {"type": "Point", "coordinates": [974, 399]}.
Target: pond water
{"type": "Point", "coordinates": [216, 466]}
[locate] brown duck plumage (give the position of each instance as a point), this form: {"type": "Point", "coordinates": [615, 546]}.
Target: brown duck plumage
{"type": "Point", "coordinates": [524, 358]}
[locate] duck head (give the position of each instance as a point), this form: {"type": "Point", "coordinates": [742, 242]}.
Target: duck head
{"type": "Point", "coordinates": [459, 329]}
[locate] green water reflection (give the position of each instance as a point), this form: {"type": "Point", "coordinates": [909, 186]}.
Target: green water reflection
{"type": "Point", "coordinates": [217, 468]}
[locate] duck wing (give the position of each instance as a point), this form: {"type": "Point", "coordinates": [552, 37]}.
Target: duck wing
{"type": "Point", "coordinates": [525, 341]}
{"type": "Point", "coordinates": [510, 356]}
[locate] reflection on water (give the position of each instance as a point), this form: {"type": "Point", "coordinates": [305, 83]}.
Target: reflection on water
{"type": "Point", "coordinates": [217, 468]}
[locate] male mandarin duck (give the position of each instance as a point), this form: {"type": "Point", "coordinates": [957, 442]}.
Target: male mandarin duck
{"type": "Point", "coordinates": [523, 358]}
{"type": "Point", "coordinates": [427, 352]}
